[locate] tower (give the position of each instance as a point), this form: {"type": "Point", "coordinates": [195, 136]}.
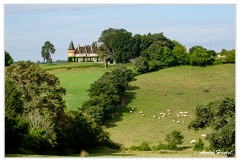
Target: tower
{"type": "Point", "coordinates": [71, 50]}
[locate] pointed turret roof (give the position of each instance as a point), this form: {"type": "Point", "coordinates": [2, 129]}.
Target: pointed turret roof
{"type": "Point", "coordinates": [71, 46]}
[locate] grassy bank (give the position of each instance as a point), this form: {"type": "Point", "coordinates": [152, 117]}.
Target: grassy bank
{"type": "Point", "coordinates": [177, 89]}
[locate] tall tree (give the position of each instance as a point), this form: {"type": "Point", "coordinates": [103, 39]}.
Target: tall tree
{"type": "Point", "coordinates": [198, 56]}
{"type": "Point", "coordinates": [8, 59]}
{"type": "Point", "coordinates": [230, 56]}
{"type": "Point", "coordinates": [15, 124]}
{"type": "Point", "coordinates": [180, 52]}
{"type": "Point", "coordinates": [105, 54]}
{"type": "Point", "coordinates": [47, 50]}
{"type": "Point", "coordinates": [223, 52]}
{"type": "Point", "coordinates": [136, 42]}
{"type": "Point", "coordinates": [41, 94]}
{"type": "Point", "coordinates": [118, 44]}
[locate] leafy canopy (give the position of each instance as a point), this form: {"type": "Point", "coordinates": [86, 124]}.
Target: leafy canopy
{"type": "Point", "coordinates": [220, 116]}
{"type": "Point", "coordinates": [8, 59]}
{"type": "Point", "coordinates": [47, 50]}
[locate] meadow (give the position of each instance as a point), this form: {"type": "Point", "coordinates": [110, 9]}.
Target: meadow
{"type": "Point", "coordinates": [177, 89]}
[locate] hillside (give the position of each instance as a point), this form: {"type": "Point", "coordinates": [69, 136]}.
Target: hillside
{"type": "Point", "coordinates": [177, 89]}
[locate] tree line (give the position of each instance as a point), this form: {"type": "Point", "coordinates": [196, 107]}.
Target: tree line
{"type": "Point", "coordinates": [105, 93]}
{"type": "Point", "coordinates": [154, 51]}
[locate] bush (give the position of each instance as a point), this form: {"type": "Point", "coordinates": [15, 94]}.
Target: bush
{"type": "Point", "coordinates": [140, 65]}
{"type": "Point", "coordinates": [218, 61]}
{"type": "Point", "coordinates": [143, 147]}
{"type": "Point", "coordinates": [160, 146]}
{"type": "Point", "coordinates": [173, 139]}
{"type": "Point", "coordinates": [199, 146]}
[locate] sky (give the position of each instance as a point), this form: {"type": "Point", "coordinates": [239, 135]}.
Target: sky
{"type": "Point", "coordinates": [28, 26]}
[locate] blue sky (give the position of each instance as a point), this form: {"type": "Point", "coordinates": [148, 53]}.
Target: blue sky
{"type": "Point", "coordinates": [27, 27]}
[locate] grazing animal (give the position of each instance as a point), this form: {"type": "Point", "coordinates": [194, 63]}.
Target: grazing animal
{"type": "Point", "coordinates": [173, 120]}
{"type": "Point", "coordinates": [161, 113]}
{"type": "Point", "coordinates": [143, 115]}
{"type": "Point", "coordinates": [178, 122]}
{"type": "Point", "coordinates": [159, 117]}
{"type": "Point", "coordinates": [192, 141]}
{"type": "Point", "coordinates": [168, 110]}
{"type": "Point", "coordinates": [140, 112]}
{"type": "Point", "coordinates": [204, 135]}
{"type": "Point", "coordinates": [154, 116]}
{"type": "Point", "coordinates": [131, 111]}
{"type": "Point", "coordinates": [169, 114]}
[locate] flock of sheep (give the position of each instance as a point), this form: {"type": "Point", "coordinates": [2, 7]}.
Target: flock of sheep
{"type": "Point", "coordinates": [163, 115]}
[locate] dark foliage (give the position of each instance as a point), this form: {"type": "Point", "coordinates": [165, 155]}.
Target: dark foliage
{"type": "Point", "coordinates": [105, 93]}
{"type": "Point", "coordinates": [8, 59]}
{"type": "Point", "coordinates": [220, 116]}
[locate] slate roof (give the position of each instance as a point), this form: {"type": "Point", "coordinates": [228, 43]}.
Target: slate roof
{"type": "Point", "coordinates": [71, 46]}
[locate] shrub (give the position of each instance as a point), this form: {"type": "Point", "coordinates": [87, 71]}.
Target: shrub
{"type": "Point", "coordinates": [140, 65]}
{"type": "Point", "coordinates": [173, 139]}
{"type": "Point", "coordinates": [160, 146]}
{"type": "Point", "coordinates": [143, 147]}
{"type": "Point", "coordinates": [199, 146]}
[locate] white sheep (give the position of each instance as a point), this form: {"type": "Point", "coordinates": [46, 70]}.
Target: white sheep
{"type": "Point", "coordinates": [143, 115]}
{"type": "Point", "coordinates": [161, 113]}
{"type": "Point", "coordinates": [173, 120]}
{"type": "Point", "coordinates": [163, 116]}
{"type": "Point", "coordinates": [131, 111]}
{"type": "Point", "coordinates": [178, 122]}
{"type": "Point", "coordinates": [186, 113]}
{"type": "Point", "coordinates": [169, 114]}
{"type": "Point", "coordinates": [192, 141]}
{"type": "Point", "coordinates": [159, 117]}
{"type": "Point", "coordinates": [168, 110]}
{"type": "Point", "coordinates": [140, 112]}
{"type": "Point", "coordinates": [204, 135]}
{"type": "Point", "coordinates": [154, 116]}
{"type": "Point", "coordinates": [132, 108]}
{"type": "Point", "coordinates": [178, 115]}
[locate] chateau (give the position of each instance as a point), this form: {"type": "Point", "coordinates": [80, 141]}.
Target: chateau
{"type": "Point", "coordinates": [82, 53]}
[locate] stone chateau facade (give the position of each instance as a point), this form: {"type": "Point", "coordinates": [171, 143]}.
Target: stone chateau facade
{"type": "Point", "coordinates": [82, 53]}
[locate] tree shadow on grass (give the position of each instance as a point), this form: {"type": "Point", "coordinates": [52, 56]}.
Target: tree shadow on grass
{"type": "Point", "coordinates": [181, 148]}
{"type": "Point", "coordinates": [111, 154]}
{"type": "Point", "coordinates": [127, 98]}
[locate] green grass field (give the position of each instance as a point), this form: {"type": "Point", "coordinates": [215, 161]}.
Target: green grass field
{"type": "Point", "coordinates": [77, 82]}
{"type": "Point", "coordinates": [177, 89]}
